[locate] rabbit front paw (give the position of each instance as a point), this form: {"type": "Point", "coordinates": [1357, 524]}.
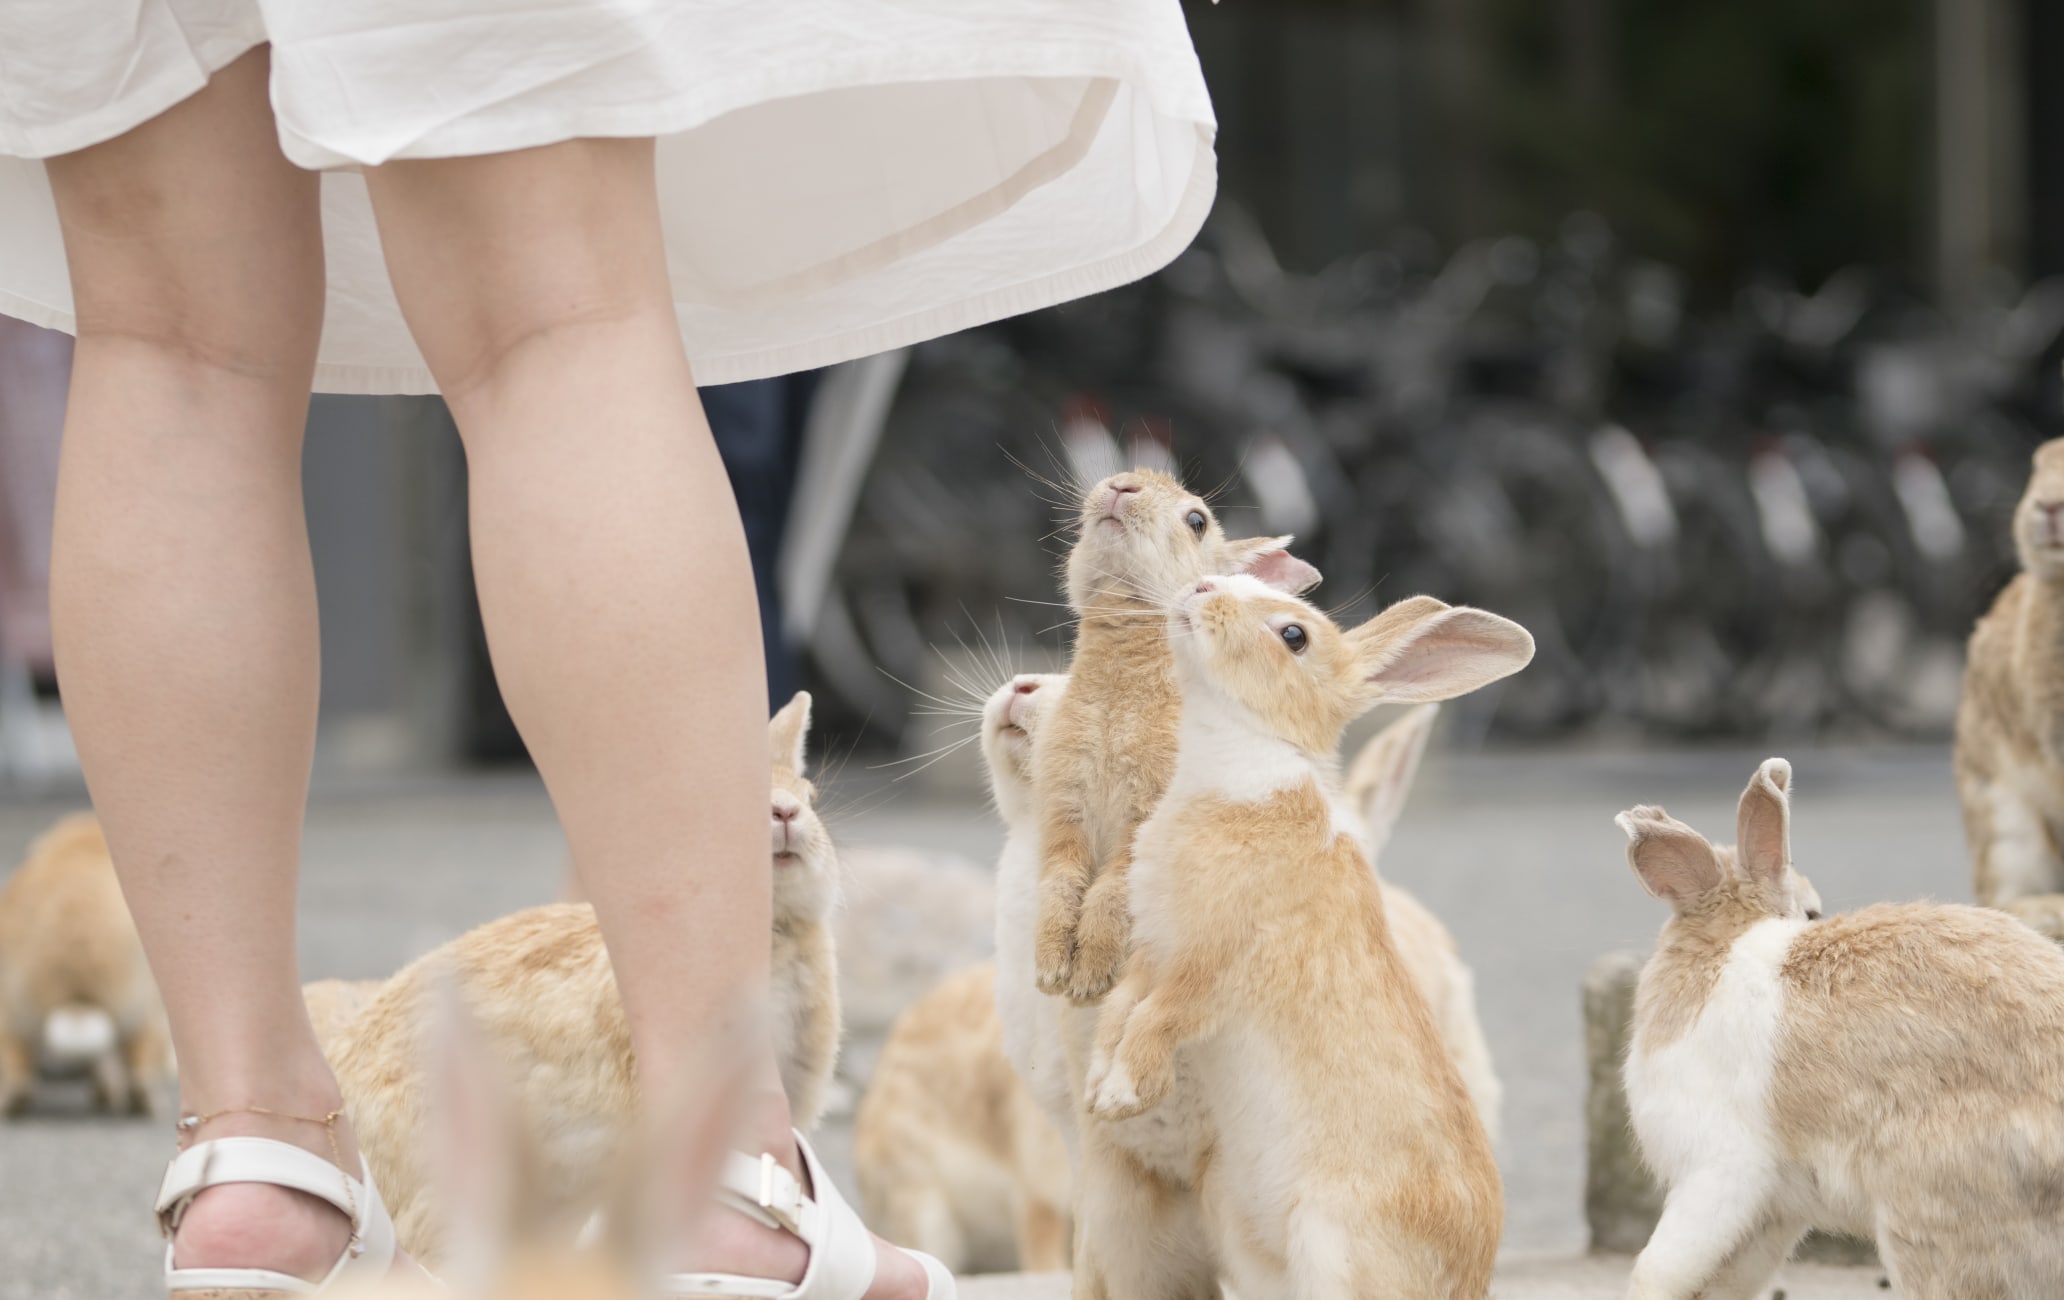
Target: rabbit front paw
{"type": "Point", "coordinates": [1112, 1094]}
{"type": "Point", "coordinates": [1100, 941]}
{"type": "Point", "coordinates": [1053, 956]}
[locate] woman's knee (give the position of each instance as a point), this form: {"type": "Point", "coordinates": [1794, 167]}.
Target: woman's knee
{"type": "Point", "coordinates": [193, 235]}
{"type": "Point", "coordinates": [495, 255]}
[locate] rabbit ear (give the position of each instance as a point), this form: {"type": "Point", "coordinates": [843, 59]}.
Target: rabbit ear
{"type": "Point", "coordinates": [481, 1160]}
{"type": "Point", "coordinates": [1265, 558]}
{"type": "Point", "coordinates": [1763, 823]}
{"type": "Point", "coordinates": [664, 1181]}
{"type": "Point", "coordinates": [1673, 861]}
{"type": "Point", "coordinates": [1381, 776]}
{"type": "Point", "coordinates": [788, 731]}
{"type": "Point", "coordinates": [1423, 650]}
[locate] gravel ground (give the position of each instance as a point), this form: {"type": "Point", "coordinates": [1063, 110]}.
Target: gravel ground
{"type": "Point", "coordinates": [1516, 852]}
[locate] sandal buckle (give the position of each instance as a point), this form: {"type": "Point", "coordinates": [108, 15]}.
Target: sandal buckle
{"type": "Point", "coordinates": [784, 1210]}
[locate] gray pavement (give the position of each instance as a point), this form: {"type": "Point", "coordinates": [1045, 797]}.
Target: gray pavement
{"type": "Point", "coordinates": [1517, 852]}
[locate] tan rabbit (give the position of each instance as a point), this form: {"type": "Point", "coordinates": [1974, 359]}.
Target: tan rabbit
{"type": "Point", "coordinates": [540, 985]}
{"type": "Point", "coordinates": [1378, 782]}
{"type": "Point", "coordinates": [952, 1154]}
{"type": "Point", "coordinates": [74, 986]}
{"type": "Point", "coordinates": [1111, 746]}
{"type": "Point", "coordinates": [515, 1238]}
{"type": "Point", "coordinates": [1335, 1149]}
{"type": "Point", "coordinates": [2010, 724]}
{"type": "Point", "coordinates": [1896, 1072]}
{"type": "Point", "coordinates": [1377, 785]}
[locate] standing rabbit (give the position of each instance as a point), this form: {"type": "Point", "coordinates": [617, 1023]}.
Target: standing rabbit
{"type": "Point", "coordinates": [2010, 723]}
{"type": "Point", "coordinates": [1111, 741]}
{"type": "Point", "coordinates": [539, 984]}
{"type": "Point", "coordinates": [74, 986]}
{"type": "Point", "coordinates": [1896, 1072]}
{"type": "Point", "coordinates": [1340, 1151]}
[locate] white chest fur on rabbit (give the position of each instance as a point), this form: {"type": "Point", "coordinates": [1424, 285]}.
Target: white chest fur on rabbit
{"type": "Point", "coordinates": [1705, 1098]}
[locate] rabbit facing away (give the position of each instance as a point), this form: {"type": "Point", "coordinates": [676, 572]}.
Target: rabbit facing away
{"type": "Point", "coordinates": [74, 987]}
{"type": "Point", "coordinates": [2010, 722]}
{"type": "Point", "coordinates": [540, 986]}
{"type": "Point", "coordinates": [1895, 1072]}
{"type": "Point", "coordinates": [1335, 1150]}
{"type": "Point", "coordinates": [1140, 536]}
{"type": "Point", "coordinates": [952, 1153]}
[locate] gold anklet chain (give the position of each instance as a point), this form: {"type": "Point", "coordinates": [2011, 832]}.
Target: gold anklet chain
{"type": "Point", "coordinates": [190, 1124]}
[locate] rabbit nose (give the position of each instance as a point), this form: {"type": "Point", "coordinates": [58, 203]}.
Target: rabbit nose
{"type": "Point", "coordinates": [1119, 492]}
{"type": "Point", "coordinates": [786, 812]}
{"type": "Point", "coordinates": [1205, 586]}
{"type": "Point", "coordinates": [1026, 688]}
{"type": "Point", "coordinates": [2050, 508]}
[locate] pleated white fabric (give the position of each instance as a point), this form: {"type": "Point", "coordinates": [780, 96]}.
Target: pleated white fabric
{"type": "Point", "coordinates": [838, 177]}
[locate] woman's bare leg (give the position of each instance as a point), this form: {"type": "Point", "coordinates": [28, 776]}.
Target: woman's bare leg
{"type": "Point", "coordinates": [614, 583]}
{"type": "Point", "coordinates": [183, 607]}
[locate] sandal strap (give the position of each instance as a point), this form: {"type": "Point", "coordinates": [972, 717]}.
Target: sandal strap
{"type": "Point", "coordinates": [841, 1251]}
{"type": "Point", "coordinates": [278, 1164]}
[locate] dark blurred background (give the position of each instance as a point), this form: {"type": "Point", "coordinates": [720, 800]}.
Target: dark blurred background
{"type": "Point", "coordinates": [1708, 340]}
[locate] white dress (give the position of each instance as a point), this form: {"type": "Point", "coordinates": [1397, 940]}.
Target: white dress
{"type": "Point", "coordinates": [837, 177]}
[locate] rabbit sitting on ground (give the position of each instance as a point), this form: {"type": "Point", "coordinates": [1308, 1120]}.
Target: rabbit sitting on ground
{"type": "Point", "coordinates": [952, 1154]}
{"type": "Point", "coordinates": [2010, 722]}
{"type": "Point", "coordinates": [1896, 1072]}
{"type": "Point", "coordinates": [1339, 1151]}
{"type": "Point", "coordinates": [74, 987]}
{"type": "Point", "coordinates": [540, 985]}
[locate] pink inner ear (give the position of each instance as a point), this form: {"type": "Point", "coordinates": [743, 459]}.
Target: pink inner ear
{"type": "Point", "coordinates": [1283, 571]}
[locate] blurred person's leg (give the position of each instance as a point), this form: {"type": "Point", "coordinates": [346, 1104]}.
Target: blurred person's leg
{"type": "Point", "coordinates": [183, 606]}
{"type": "Point", "coordinates": [35, 367]}
{"type": "Point", "coordinates": [758, 426]}
{"type": "Point", "coordinates": [614, 582]}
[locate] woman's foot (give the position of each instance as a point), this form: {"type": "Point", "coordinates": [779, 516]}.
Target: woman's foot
{"type": "Point", "coordinates": [729, 1242]}
{"type": "Point", "coordinates": [255, 1225]}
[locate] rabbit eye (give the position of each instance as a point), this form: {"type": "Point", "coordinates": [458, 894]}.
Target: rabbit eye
{"type": "Point", "coordinates": [1813, 914]}
{"type": "Point", "coordinates": [1294, 637]}
{"type": "Point", "coordinates": [1195, 519]}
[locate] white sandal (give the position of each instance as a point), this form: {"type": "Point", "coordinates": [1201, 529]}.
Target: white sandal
{"type": "Point", "coordinates": [367, 1257]}
{"type": "Point", "coordinates": [841, 1250]}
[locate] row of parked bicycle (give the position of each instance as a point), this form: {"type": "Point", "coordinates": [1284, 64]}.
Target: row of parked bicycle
{"type": "Point", "coordinates": [1779, 518]}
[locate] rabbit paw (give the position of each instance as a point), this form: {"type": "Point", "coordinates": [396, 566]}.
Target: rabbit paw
{"type": "Point", "coordinates": [1100, 942]}
{"type": "Point", "coordinates": [1054, 962]}
{"type": "Point", "coordinates": [1111, 1093]}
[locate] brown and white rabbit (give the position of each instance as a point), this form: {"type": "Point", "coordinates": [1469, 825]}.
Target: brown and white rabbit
{"type": "Point", "coordinates": [2010, 722]}
{"type": "Point", "coordinates": [952, 1154]}
{"type": "Point", "coordinates": [540, 985]}
{"type": "Point", "coordinates": [1895, 1072]}
{"type": "Point", "coordinates": [74, 987]}
{"type": "Point", "coordinates": [1377, 784]}
{"type": "Point", "coordinates": [1141, 536]}
{"type": "Point", "coordinates": [1343, 1153]}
